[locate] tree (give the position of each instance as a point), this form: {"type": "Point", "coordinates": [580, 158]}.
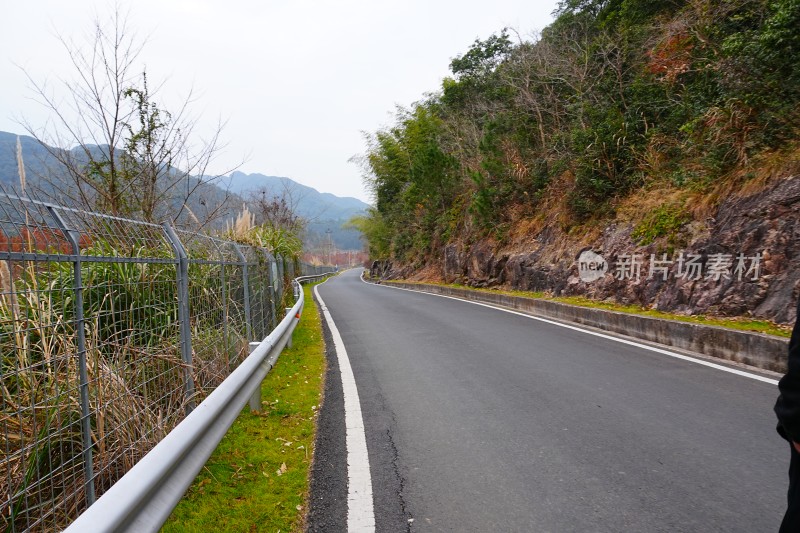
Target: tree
{"type": "Point", "coordinates": [375, 232]}
{"type": "Point", "coordinates": [119, 151]}
{"type": "Point", "coordinates": [278, 211]}
{"type": "Point", "coordinates": [482, 58]}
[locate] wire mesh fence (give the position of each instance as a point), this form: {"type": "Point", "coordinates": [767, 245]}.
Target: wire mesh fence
{"type": "Point", "coordinates": [111, 331]}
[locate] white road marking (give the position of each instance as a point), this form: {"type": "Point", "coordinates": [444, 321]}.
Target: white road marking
{"type": "Point", "coordinates": [750, 375]}
{"type": "Point", "coordinates": [360, 513]}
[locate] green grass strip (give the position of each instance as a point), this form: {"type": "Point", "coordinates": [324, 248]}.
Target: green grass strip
{"type": "Point", "coordinates": [257, 478]}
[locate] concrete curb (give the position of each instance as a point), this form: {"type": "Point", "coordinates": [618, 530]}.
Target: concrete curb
{"type": "Point", "coordinates": [755, 349]}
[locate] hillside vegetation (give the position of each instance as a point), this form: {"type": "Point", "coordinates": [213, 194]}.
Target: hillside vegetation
{"type": "Point", "coordinates": [655, 106]}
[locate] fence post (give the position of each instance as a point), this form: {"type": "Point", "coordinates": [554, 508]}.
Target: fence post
{"type": "Point", "coordinates": [272, 276]}
{"type": "Point", "coordinates": [83, 370]}
{"type": "Point", "coordinates": [281, 275]}
{"type": "Point", "coordinates": [225, 305]}
{"type": "Point", "coordinates": [246, 286]}
{"type": "Point", "coordinates": [270, 273]}
{"type": "Point", "coordinates": [182, 278]}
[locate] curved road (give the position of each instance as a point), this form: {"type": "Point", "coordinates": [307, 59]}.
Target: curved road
{"type": "Point", "coordinates": [481, 420]}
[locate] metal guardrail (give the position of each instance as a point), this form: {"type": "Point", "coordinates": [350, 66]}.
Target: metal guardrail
{"type": "Point", "coordinates": [111, 331]}
{"type": "Point", "coordinates": [145, 497]}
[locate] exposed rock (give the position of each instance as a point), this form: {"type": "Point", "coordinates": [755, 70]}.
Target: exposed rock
{"type": "Point", "coordinates": [753, 241]}
{"type": "Point", "coordinates": [380, 269]}
{"type": "Point", "coordinates": [453, 267]}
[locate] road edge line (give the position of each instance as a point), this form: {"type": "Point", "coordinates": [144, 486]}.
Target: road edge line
{"type": "Point", "coordinates": [360, 512]}
{"type": "Point", "coordinates": [596, 334]}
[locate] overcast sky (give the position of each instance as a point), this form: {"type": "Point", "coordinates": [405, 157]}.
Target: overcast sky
{"type": "Point", "coordinates": [297, 81]}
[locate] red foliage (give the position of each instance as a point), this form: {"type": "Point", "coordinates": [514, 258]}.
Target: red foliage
{"type": "Point", "coordinates": [671, 57]}
{"type": "Point", "coordinates": [40, 240]}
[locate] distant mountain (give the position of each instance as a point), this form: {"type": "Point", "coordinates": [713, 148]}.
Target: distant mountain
{"type": "Point", "coordinates": [325, 212]}
{"type": "Point", "coordinates": [309, 202]}
{"type": "Point", "coordinates": [36, 157]}
{"type": "Point", "coordinates": [47, 178]}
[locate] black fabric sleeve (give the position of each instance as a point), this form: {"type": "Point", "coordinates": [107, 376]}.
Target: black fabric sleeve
{"type": "Point", "coordinates": [788, 405]}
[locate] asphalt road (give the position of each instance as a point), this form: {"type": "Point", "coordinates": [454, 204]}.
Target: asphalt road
{"type": "Point", "coordinates": [481, 420]}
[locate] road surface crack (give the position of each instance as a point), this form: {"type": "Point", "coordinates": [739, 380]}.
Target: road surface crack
{"type": "Point", "coordinates": [400, 480]}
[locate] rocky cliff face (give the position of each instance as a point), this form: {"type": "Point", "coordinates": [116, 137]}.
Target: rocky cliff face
{"type": "Point", "coordinates": [744, 261]}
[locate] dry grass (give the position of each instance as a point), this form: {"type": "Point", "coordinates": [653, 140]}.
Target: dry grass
{"type": "Point", "coordinates": [135, 393]}
{"type": "Point", "coordinates": [634, 209]}
{"type": "Point", "coordinates": [241, 227]}
{"type": "Point", "coordinates": [135, 384]}
{"type": "Point", "coordinates": [760, 173]}
{"type": "Point", "coordinates": [42, 468]}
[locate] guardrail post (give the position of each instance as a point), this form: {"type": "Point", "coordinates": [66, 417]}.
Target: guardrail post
{"type": "Point", "coordinates": [83, 371]}
{"type": "Point", "coordinates": [182, 278]}
{"type": "Point", "coordinates": [246, 287]}
{"type": "Point", "coordinates": [255, 399]}
{"type": "Point", "coordinates": [289, 342]}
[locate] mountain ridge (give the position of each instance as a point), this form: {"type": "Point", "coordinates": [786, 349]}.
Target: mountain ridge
{"type": "Point", "coordinates": [324, 211]}
{"type": "Point", "coordinates": [242, 183]}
